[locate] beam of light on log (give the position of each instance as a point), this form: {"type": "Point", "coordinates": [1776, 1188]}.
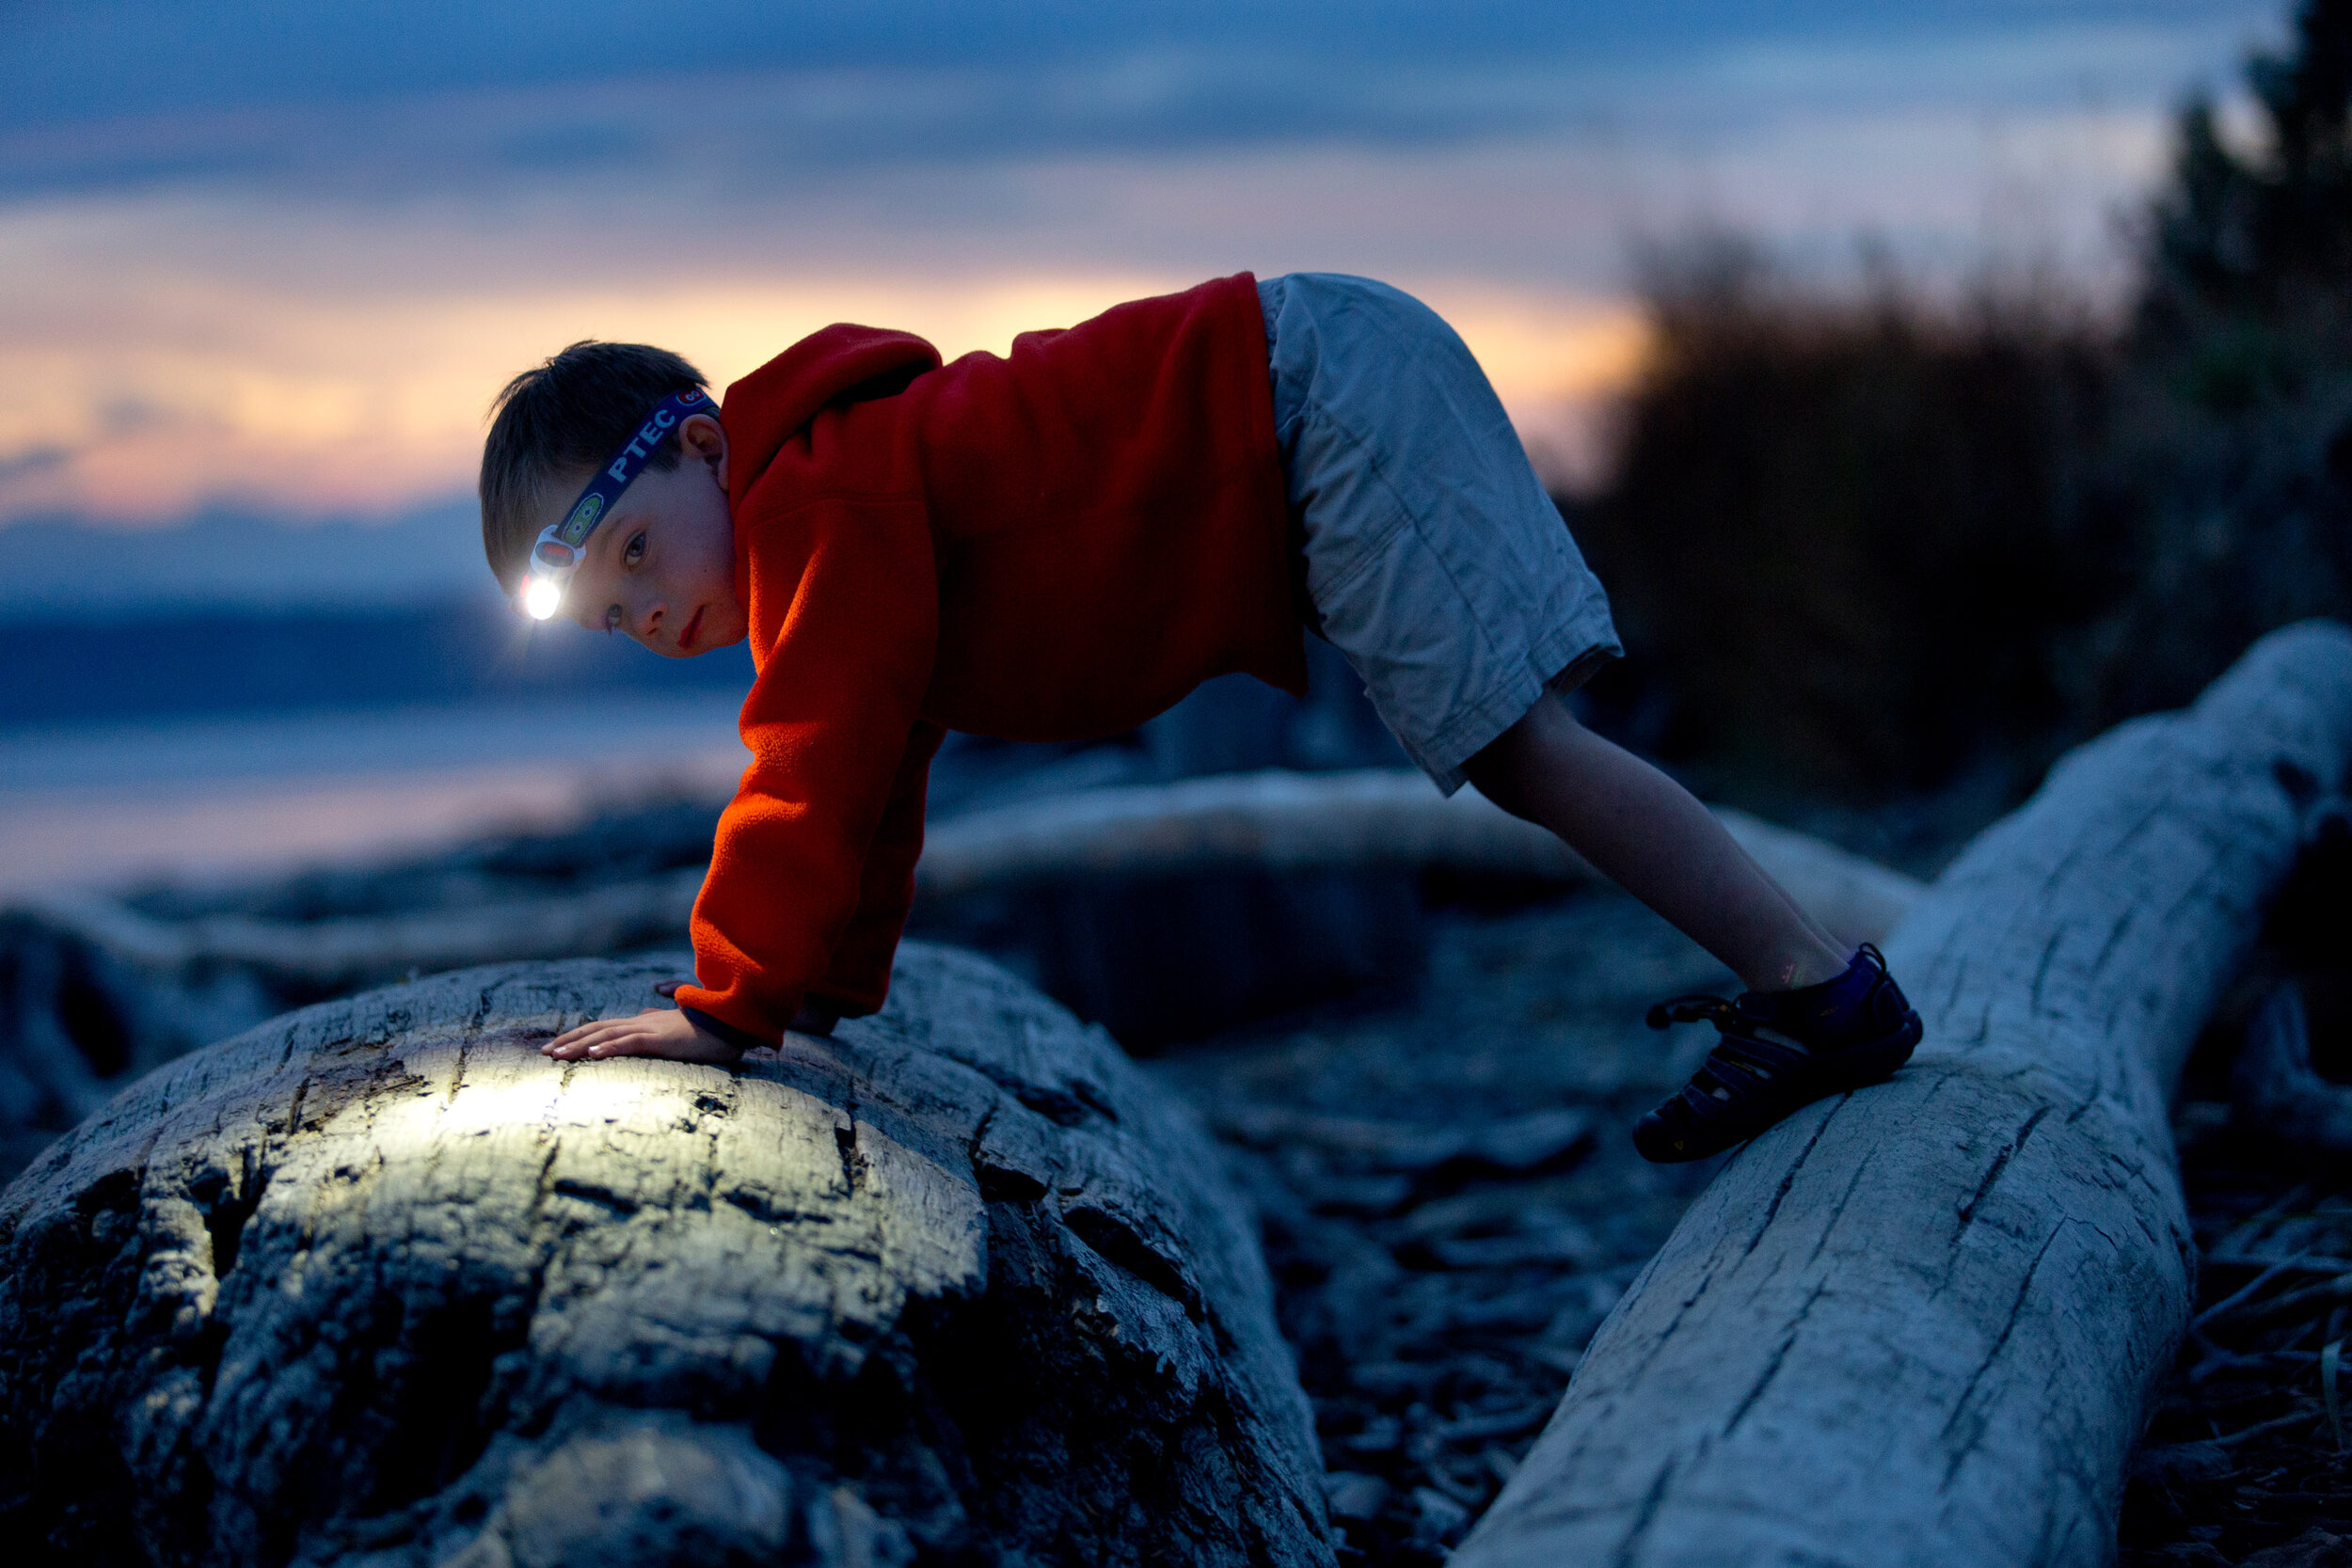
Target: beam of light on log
{"type": "Point", "coordinates": [1919, 1324]}
{"type": "Point", "coordinates": [1271, 821]}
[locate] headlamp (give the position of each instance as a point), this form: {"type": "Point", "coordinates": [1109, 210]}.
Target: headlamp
{"type": "Point", "coordinates": [563, 546]}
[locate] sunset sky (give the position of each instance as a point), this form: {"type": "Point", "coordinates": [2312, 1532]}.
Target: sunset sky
{"type": "Point", "coordinates": [276, 258]}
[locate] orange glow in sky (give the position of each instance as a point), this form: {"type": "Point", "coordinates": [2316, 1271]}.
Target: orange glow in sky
{"type": "Point", "coordinates": [135, 394]}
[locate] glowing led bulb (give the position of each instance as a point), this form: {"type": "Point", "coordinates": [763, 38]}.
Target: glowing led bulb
{"type": "Point", "coordinates": [541, 597]}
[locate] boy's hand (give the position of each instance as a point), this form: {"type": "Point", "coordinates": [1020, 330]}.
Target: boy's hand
{"type": "Point", "coordinates": [656, 1031]}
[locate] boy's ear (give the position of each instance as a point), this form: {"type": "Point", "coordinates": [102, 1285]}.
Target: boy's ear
{"type": "Point", "coordinates": [703, 436]}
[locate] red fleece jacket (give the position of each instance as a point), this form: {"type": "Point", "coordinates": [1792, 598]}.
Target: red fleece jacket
{"type": "Point", "coordinates": [1052, 546]}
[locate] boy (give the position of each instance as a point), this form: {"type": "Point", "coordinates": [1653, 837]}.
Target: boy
{"type": "Point", "coordinates": [1059, 545]}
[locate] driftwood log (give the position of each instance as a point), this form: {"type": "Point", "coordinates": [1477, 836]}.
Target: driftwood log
{"type": "Point", "coordinates": [1920, 1323]}
{"type": "Point", "coordinates": [376, 1283]}
{"type": "Point", "coordinates": [1375, 818]}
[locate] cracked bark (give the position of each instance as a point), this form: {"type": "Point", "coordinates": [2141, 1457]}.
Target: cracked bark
{"type": "Point", "coordinates": [1947, 1361]}
{"type": "Point", "coordinates": [376, 1283]}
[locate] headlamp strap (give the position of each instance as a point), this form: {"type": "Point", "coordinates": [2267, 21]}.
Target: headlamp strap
{"type": "Point", "coordinates": [614, 477]}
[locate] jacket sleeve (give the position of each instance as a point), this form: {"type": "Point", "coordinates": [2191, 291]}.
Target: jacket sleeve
{"type": "Point", "coordinates": [852, 589]}
{"type": "Point", "coordinates": [860, 975]}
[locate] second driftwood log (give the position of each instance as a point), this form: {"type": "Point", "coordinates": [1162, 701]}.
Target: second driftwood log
{"type": "Point", "coordinates": [1275, 821]}
{"type": "Point", "coordinates": [1919, 1324]}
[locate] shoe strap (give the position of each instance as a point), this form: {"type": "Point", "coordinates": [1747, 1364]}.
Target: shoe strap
{"type": "Point", "coordinates": [1747, 1051]}
{"type": "Point", "coordinates": [1692, 1009]}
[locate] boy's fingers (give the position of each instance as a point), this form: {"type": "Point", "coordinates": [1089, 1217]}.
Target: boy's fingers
{"type": "Point", "coordinates": [600, 1044]}
{"type": "Point", "coordinates": [655, 1032]}
{"type": "Point", "coordinates": [635, 1042]}
{"type": "Point", "coordinates": [591, 1025]}
{"type": "Point", "coordinates": [580, 1035]}
{"type": "Point", "coordinates": [621, 1045]}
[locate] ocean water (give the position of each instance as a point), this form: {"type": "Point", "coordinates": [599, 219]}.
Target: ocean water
{"type": "Point", "coordinates": [171, 661]}
{"type": "Point", "coordinates": [195, 742]}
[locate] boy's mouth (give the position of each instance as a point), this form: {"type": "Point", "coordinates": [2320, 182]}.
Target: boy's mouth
{"type": "Point", "coordinates": [686, 638]}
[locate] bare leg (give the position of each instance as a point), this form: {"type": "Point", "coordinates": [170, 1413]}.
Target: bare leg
{"type": "Point", "coordinates": [1654, 839]}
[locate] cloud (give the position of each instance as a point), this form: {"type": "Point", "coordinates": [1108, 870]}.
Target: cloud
{"type": "Point", "coordinates": [33, 461]}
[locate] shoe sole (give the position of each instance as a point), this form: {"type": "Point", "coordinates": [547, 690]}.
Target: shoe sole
{"type": "Point", "coordinates": [1848, 1071]}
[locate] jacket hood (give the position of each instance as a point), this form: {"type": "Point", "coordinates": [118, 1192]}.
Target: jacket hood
{"type": "Point", "coordinates": [840, 364]}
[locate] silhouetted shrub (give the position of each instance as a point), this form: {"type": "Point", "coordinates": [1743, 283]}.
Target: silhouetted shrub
{"type": "Point", "coordinates": [1845, 538]}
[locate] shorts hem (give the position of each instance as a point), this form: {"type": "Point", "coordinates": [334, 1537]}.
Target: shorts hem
{"type": "Point", "coordinates": [1480, 721]}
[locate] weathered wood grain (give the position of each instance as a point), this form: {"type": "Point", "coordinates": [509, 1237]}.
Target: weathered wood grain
{"type": "Point", "coordinates": [1918, 1325]}
{"type": "Point", "coordinates": [378, 1284]}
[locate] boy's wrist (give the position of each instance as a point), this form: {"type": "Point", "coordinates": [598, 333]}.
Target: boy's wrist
{"type": "Point", "coordinates": [817, 1016]}
{"type": "Point", "coordinates": [720, 1028]}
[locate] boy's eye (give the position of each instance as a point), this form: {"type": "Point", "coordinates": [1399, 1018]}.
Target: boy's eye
{"type": "Point", "coordinates": [613, 618]}
{"type": "Point", "coordinates": [634, 551]}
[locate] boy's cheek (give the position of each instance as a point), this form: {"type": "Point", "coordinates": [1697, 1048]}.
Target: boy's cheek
{"type": "Point", "coordinates": [737, 626]}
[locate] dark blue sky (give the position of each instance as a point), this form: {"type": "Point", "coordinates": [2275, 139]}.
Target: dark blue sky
{"type": "Point", "coordinates": [108, 96]}
{"type": "Point", "coordinates": [73, 64]}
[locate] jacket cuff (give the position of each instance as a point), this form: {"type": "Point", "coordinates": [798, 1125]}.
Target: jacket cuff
{"type": "Point", "coordinates": [818, 1015]}
{"type": "Point", "coordinates": [743, 1040]}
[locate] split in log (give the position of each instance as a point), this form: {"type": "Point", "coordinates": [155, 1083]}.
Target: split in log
{"type": "Point", "coordinates": [1920, 1323]}
{"type": "Point", "coordinates": [378, 1283]}
{"type": "Point", "coordinates": [2276, 1093]}
{"type": "Point", "coordinates": [2284, 1084]}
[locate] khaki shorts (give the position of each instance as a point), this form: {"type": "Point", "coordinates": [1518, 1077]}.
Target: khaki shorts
{"type": "Point", "coordinates": [1435, 561]}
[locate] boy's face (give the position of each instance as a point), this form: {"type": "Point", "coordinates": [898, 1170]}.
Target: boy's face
{"type": "Point", "coordinates": [661, 566]}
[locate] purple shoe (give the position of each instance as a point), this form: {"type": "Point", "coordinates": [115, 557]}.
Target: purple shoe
{"type": "Point", "coordinates": [1779, 1050]}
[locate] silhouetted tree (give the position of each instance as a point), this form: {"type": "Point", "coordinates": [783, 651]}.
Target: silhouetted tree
{"type": "Point", "coordinates": [2249, 233]}
{"type": "Point", "coordinates": [1858, 543]}
{"type": "Point", "coordinates": [2230, 455]}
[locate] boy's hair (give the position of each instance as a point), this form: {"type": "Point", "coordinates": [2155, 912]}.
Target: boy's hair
{"type": "Point", "coordinates": [554, 424]}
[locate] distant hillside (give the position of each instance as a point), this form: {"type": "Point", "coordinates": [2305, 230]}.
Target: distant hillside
{"type": "Point", "coordinates": [166, 663]}
{"type": "Point", "coordinates": [66, 567]}
{"type": "Point", "coordinates": [234, 613]}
